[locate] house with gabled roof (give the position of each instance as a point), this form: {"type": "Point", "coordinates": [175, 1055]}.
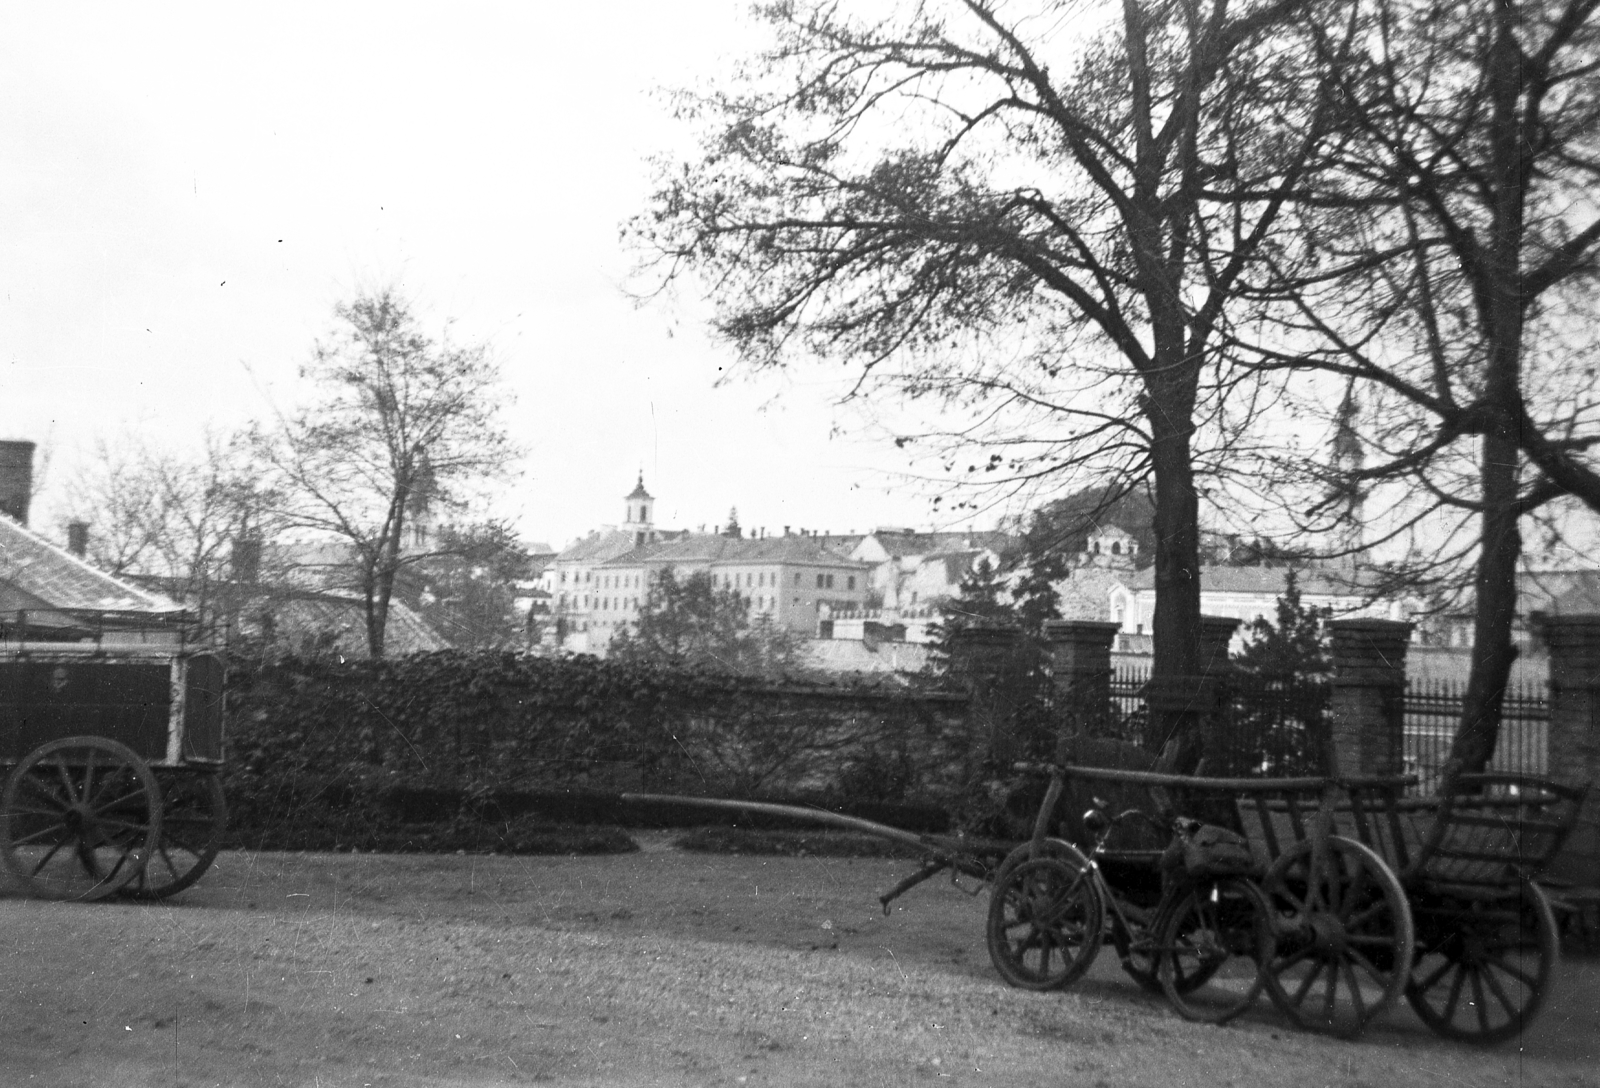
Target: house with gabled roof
{"type": "Point", "coordinates": [49, 594]}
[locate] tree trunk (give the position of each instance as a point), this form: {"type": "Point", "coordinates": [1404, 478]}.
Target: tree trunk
{"type": "Point", "coordinates": [1501, 316]}
{"type": "Point", "coordinates": [1175, 625]}
{"type": "Point", "coordinates": [1496, 587]}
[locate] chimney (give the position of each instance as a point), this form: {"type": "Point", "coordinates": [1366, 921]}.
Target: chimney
{"type": "Point", "coordinates": [78, 538]}
{"type": "Point", "coordinates": [247, 559]}
{"type": "Point", "coordinates": [16, 479]}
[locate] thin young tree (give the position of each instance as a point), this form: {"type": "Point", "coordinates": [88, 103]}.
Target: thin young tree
{"type": "Point", "coordinates": [1042, 213]}
{"type": "Point", "coordinates": [404, 425]}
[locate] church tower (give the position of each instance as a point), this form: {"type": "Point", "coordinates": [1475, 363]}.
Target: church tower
{"type": "Point", "coordinates": [639, 518]}
{"type": "Point", "coordinates": [1348, 457]}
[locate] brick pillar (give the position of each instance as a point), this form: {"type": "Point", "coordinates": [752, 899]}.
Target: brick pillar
{"type": "Point", "coordinates": [1216, 632]}
{"type": "Point", "coordinates": [989, 661]}
{"type": "Point", "coordinates": [1369, 696]}
{"type": "Point", "coordinates": [1080, 671]}
{"type": "Point", "coordinates": [1574, 757]}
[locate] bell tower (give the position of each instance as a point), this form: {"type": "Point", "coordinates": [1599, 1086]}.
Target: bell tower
{"type": "Point", "coordinates": [639, 517]}
{"type": "Point", "coordinates": [1349, 495]}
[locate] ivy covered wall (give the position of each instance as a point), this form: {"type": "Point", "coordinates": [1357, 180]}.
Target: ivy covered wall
{"type": "Point", "coordinates": [366, 753]}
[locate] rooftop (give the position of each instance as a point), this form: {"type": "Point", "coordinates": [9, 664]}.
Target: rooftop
{"type": "Point", "coordinates": [711, 548]}
{"type": "Point", "coordinates": [1224, 579]}
{"type": "Point", "coordinates": [900, 542]}
{"type": "Point", "coordinates": [35, 573]}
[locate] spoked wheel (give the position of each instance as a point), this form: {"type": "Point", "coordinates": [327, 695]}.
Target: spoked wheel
{"type": "Point", "coordinates": [79, 817]}
{"type": "Point", "coordinates": [194, 816]}
{"type": "Point", "coordinates": [1045, 919]}
{"type": "Point", "coordinates": [1483, 965]}
{"type": "Point", "coordinates": [1344, 936]}
{"type": "Point", "coordinates": [1213, 939]}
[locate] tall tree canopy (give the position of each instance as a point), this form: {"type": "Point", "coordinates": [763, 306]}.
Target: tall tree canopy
{"type": "Point", "coordinates": [1043, 212]}
{"type": "Point", "coordinates": [1449, 263]}
{"type": "Point", "coordinates": [405, 423]}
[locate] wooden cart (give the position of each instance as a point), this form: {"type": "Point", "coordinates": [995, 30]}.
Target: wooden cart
{"type": "Point", "coordinates": [1373, 895]}
{"type": "Point", "coordinates": [113, 761]}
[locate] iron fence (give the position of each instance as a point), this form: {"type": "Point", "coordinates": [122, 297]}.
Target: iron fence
{"type": "Point", "coordinates": [1433, 713]}
{"type": "Point", "coordinates": [1271, 727]}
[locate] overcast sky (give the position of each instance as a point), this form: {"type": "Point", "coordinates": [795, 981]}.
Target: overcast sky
{"type": "Point", "coordinates": [186, 191]}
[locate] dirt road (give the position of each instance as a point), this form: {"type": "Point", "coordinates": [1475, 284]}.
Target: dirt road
{"type": "Point", "coordinates": [655, 968]}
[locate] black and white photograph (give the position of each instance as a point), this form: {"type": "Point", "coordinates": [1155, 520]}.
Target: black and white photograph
{"type": "Point", "coordinates": [800, 543]}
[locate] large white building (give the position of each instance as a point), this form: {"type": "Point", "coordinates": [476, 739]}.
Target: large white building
{"type": "Point", "coordinates": [598, 585]}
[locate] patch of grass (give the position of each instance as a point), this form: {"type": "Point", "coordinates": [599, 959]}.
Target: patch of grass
{"type": "Point", "coordinates": [823, 843]}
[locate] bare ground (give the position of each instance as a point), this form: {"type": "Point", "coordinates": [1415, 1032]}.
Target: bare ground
{"type": "Point", "coordinates": [657, 968]}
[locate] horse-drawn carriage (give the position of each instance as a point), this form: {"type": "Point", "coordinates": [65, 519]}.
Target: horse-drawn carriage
{"type": "Point", "coordinates": [112, 753]}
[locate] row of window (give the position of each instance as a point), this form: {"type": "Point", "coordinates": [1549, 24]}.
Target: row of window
{"type": "Point", "coordinates": [760, 578]}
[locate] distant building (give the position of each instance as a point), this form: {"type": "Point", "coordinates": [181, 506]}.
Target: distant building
{"type": "Point", "coordinates": [1248, 594]}
{"type": "Point", "coordinates": [570, 579]}
{"type": "Point", "coordinates": [911, 569]}
{"type": "Point", "coordinates": [789, 581]}
{"type": "Point", "coordinates": [598, 585]}
{"type": "Point", "coordinates": [1539, 593]}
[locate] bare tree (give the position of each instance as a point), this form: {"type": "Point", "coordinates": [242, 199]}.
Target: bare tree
{"type": "Point", "coordinates": [171, 515]}
{"type": "Point", "coordinates": [405, 423]}
{"type": "Point", "coordinates": [1044, 212]}
{"type": "Point", "coordinates": [1452, 251]}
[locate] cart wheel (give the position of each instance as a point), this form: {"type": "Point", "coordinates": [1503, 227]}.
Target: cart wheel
{"type": "Point", "coordinates": [1483, 965]}
{"type": "Point", "coordinates": [1344, 936]}
{"type": "Point", "coordinates": [79, 818]}
{"type": "Point", "coordinates": [1045, 921]}
{"type": "Point", "coordinates": [1210, 946]}
{"type": "Point", "coordinates": [194, 816]}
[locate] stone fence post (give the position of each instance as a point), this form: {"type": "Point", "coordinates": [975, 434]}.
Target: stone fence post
{"type": "Point", "coordinates": [1574, 736]}
{"type": "Point", "coordinates": [1369, 696]}
{"type": "Point", "coordinates": [1080, 669]}
{"type": "Point", "coordinates": [989, 661]}
{"type": "Point", "coordinates": [1216, 633]}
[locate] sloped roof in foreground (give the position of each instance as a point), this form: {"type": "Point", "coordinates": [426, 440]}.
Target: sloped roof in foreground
{"type": "Point", "coordinates": [35, 568]}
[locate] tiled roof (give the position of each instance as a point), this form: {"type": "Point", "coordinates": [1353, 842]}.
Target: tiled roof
{"type": "Point", "coordinates": [36, 568]}
{"type": "Point", "coordinates": [900, 543]}
{"type": "Point", "coordinates": [714, 549]}
{"type": "Point", "coordinates": [598, 547]}
{"type": "Point", "coordinates": [307, 616]}
{"type": "Point", "coordinates": [1266, 580]}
